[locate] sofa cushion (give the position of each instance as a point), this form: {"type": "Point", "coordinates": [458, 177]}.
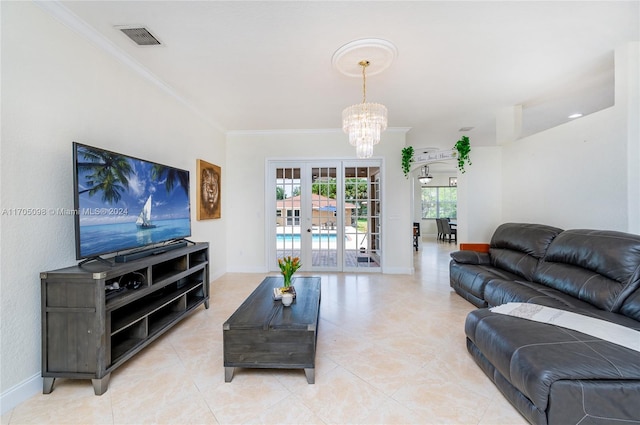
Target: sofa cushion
{"type": "Point", "coordinates": [596, 266]}
{"type": "Point", "coordinates": [469, 280]}
{"type": "Point", "coordinates": [631, 306]}
{"type": "Point", "coordinates": [502, 291]}
{"type": "Point", "coordinates": [533, 356]}
{"type": "Point", "coordinates": [517, 247]}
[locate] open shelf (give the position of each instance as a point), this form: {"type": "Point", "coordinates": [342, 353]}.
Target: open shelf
{"type": "Point", "coordinates": [158, 300]}
{"type": "Point", "coordinates": [168, 269]}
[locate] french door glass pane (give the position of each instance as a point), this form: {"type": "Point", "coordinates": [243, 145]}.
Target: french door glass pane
{"type": "Point", "coordinates": [362, 216]}
{"type": "Point", "coordinates": [287, 212]}
{"type": "Point", "coordinates": [328, 215]}
{"type": "Point", "coordinates": [325, 215]}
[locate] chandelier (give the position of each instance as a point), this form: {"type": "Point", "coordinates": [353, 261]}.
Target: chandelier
{"type": "Point", "coordinates": [365, 121]}
{"type": "Point", "coordinates": [425, 177]}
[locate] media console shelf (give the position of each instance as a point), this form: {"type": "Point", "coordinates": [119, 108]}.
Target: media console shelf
{"type": "Point", "coordinates": [90, 329]}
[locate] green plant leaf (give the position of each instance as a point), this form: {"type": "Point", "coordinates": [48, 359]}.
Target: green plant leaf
{"type": "Point", "coordinates": [407, 159]}
{"type": "Point", "coordinates": [463, 146]}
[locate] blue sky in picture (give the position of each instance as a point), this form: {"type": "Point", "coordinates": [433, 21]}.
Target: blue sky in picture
{"type": "Point", "coordinates": [166, 205]}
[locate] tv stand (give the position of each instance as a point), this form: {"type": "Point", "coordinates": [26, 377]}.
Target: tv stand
{"type": "Point", "coordinates": [87, 334]}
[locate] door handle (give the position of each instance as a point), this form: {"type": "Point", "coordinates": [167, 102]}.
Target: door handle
{"type": "Point", "coordinates": [308, 230]}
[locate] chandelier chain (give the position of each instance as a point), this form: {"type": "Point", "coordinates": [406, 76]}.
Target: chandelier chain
{"type": "Point", "coordinates": [364, 64]}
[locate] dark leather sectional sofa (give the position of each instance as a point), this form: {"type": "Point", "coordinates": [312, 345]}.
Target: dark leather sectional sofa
{"type": "Point", "coordinates": [551, 374]}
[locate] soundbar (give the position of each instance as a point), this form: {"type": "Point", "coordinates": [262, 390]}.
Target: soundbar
{"type": "Point", "coordinates": [130, 256]}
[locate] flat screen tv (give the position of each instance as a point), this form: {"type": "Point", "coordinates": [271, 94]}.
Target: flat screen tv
{"type": "Point", "coordinates": [123, 203]}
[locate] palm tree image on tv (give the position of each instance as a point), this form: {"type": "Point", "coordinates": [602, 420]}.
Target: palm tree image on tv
{"type": "Point", "coordinates": [172, 176]}
{"type": "Point", "coordinates": [107, 173]}
{"type": "Point", "coordinates": [125, 202]}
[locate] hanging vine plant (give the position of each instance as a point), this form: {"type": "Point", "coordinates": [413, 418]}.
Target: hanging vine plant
{"type": "Point", "coordinates": [407, 159]}
{"type": "Point", "coordinates": [463, 146]}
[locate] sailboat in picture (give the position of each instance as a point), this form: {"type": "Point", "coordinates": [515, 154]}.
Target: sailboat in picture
{"type": "Point", "coordinates": [144, 219]}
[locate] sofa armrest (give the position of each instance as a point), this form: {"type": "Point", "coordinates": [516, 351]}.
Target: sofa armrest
{"type": "Point", "coordinates": [471, 257]}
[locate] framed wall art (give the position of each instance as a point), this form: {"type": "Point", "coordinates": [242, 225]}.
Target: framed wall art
{"type": "Point", "coordinates": [209, 190]}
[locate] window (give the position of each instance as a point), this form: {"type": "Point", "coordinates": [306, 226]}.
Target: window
{"type": "Point", "coordinates": [440, 202]}
{"type": "Point", "coordinates": [293, 217]}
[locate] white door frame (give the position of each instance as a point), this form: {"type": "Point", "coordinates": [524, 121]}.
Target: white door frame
{"type": "Point", "coordinates": [305, 166]}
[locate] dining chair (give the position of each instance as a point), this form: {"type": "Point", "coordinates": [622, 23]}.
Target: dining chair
{"type": "Point", "coordinates": [448, 230]}
{"type": "Point", "coordinates": [440, 231]}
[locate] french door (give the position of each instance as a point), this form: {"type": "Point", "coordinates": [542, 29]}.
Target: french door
{"type": "Point", "coordinates": [325, 212]}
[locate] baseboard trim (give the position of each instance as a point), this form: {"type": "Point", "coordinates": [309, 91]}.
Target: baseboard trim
{"type": "Point", "coordinates": [20, 393]}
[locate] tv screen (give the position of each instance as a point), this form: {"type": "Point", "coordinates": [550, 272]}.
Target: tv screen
{"type": "Point", "coordinates": [122, 202]}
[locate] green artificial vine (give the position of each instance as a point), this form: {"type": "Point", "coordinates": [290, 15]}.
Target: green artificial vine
{"type": "Point", "coordinates": [463, 146]}
{"type": "Point", "coordinates": [407, 159]}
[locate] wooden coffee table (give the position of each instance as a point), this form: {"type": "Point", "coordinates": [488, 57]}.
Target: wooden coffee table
{"type": "Point", "coordinates": [262, 333]}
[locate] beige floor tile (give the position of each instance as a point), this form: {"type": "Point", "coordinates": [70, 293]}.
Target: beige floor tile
{"type": "Point", "coordinates": [249, 395]}
{"type": "Point", "coordinates": [342, 398]}
{"type": "Point", "coordinates": [288, 411]}
{"type": "Point", "coordinates": [73, 406]}
{"type": "Point", "coordinates": [443, 400]}
{"type": "Point", "coordinates": [392, 412]}
{"type": "Point", "coordinates": [391, 349]}
{"type": "Point", "coordinates": [499, 412]}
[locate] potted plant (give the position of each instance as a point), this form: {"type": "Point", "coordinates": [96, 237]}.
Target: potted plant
{"type": "Point", "coordinates": [463, 146]}
{"type": "Point", "coordinates": [288, 266]}
{"type": "Point", "coordinates": [407, 159]}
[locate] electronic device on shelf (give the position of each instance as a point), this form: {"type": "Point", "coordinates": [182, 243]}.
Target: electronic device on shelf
{"type": "Point", "coordinates": [127, 205]}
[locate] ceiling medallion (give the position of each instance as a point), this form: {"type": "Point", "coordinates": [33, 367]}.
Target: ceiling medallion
{"type": "Point", "coordinates": [380, 53]}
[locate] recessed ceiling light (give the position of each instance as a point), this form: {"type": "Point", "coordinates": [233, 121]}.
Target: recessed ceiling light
{"type": "Point", "coordinates": [577, 115]}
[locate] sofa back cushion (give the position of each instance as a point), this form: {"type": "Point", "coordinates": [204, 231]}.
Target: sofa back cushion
{"type": "Point", "coordinates": [517, 247]}
{"type": "Point", "coordinates": [631, 305]}
{"type": "Point", "coordinates": [597, 266]}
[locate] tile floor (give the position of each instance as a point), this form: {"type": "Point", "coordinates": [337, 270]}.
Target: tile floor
{"type": "Point", "coordinates": [391, 350]}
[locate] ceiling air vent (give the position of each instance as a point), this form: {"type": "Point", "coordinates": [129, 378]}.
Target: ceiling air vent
{"type": "Point", "coordinates": [141, 36]}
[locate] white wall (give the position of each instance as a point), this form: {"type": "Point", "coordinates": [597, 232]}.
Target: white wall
{"type": "Point", "coordinates": [571, 176]}
{"type": "Point", "coordinates": [246, 161]}
{"type": "Point", "coordinates": [628, 94]}
{"type": "Point", "coordinates": [58, 88]}
{"type": "Point", "coordinates": [577, 175]}
{"type": "Point", "coordinates": [480, 195]}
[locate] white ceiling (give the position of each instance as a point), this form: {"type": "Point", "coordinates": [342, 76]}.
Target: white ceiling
{"type": "Point", "coordinates": [266, 65]}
